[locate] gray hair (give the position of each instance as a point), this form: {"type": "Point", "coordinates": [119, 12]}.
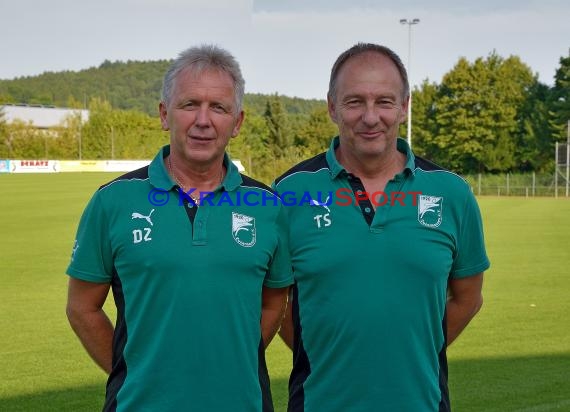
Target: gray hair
{"type": "Point", "coordinates": [359, 49]}
{"type": "Point", "coordinates": [202, 58]}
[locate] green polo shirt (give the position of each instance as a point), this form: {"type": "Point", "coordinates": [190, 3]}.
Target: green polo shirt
{"type": "Point", "coordinates": [187, 283]}
{"type": "Point", "coordinates": [370, 285]}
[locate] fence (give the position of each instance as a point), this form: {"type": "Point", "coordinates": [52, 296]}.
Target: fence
{"type": "Point", "coordinates": [526, 185]}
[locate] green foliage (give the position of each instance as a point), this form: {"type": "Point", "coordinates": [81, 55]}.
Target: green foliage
{"type": "Point", "coordinates": [489, 115]}
{"type": "Point", "coordinates": [560, 101]}
{"type": "Point", "coordinates": [535, 143]}
{"type": "Point", "coordinates": [125, 85]}
{"type": "Point", "coordinates": [315, 134]}
{"type": "Point", "coordinates": [249, 146]}
{"type": "Point", "coordinates": [424, 128]}
{"type": "Point", "coordinates": [477, 114]}
{"type": "Point", "coordinates": [20, 140]}
{"type": "Point", "coordinates": [257, 103]}
{"type": "Point", "coordinates": [2, 122]}
{"type": "Point", "coordinates": [131, 85]}
{"type": "Point", "coordinates": [96, 134]}
{"type": "Point", "coordinates": [120, 134]}
{"type": "Point", "coordinates": [108, 134]}
{"type": "Point", "coordinates": [279, 136]}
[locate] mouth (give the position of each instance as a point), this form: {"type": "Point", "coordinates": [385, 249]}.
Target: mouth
{"type": "Point", "coordinates": [371, 134]}
{"type": "Point", "coordinates": [201, 138]}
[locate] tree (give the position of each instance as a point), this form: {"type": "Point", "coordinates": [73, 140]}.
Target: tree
{"type": "Point", "coordinates": [2, 119]}
{"type": "Point", "coordinates": [25, 141]}
{"type": "Point", "coordinates": [66, 143]}
{"type": "Point", "coordinates": [560, 101]}
{"type": "Point", "coordinates": [315, 133]}
{"type": "Point", "coordinates": [5, 143]}
{"type": "Point", "coordinates": [126, 85]}
{"type": "Point", "coordinates": [96, 133]}
{"type": "Point", "coordinates": [251, 146]}
{"type": "Point", "coordinates": [477, 113]}
{"type": "Point", "coordinates": [534, 145]}
{"type": "Point", "coordinates": [135, 135]}
{"type": "Point", "coordinates": [123, 134]}
{"type": "Point", "coordinates": [280, 136]}
{"type": "Point", "coordinates": [424, 127]}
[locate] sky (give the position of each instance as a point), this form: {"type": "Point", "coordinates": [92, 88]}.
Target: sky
{"type": "Point", "coordinates": [283, 46]}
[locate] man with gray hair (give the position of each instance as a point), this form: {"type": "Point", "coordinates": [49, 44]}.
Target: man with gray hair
{"type": "Point", "coordinates": [199, 277]}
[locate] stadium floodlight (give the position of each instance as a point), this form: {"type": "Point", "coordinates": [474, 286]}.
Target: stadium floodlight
{"type": "Point", "coordinates": [410, 23]}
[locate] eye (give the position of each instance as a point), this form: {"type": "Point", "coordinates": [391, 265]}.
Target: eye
{"type": "Point", "coordinates": [188, 105]}
{"type": "Point", "coordinates": [386, 104]}
{"type": "Point", "coordinates": [352, 103]}
{"type": "Point", "coordinates": [219, 108]}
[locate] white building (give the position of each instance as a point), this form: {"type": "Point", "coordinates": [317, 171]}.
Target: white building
{"type": "Point", "coordinates": [41, 117]}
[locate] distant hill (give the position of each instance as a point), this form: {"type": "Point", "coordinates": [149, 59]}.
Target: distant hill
{"type": "Point", "coordinates": [131, 85]}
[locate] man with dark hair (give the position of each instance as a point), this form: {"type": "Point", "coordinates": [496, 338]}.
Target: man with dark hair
{"type": "Point", "coordinates": [389, 270]}
{"type": "Point", "coordinates": [199, 284]}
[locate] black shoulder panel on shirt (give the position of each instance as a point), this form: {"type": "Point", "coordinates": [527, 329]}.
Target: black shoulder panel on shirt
{"type": "Point", "coordinates": [250, 182]}
{"type": "Point", "coordinates": [141, 173]}
{"type": "Point", "coordinates": [424, 164]}
{"type": "Point", "coordinates": [310, 165]}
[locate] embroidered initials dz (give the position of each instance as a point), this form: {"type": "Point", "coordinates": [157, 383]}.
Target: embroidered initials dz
{"type": "Point", "coordinates": [142, 235]}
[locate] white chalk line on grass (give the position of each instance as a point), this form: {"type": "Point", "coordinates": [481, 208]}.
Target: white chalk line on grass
{"type": "Point", "coordinates": [545, 407]}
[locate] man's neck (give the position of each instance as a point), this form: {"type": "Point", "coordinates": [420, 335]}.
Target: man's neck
{"type": "Point", "coordinates": [372, 167]}
{"type": "Point", "coordinates": [199, 178]}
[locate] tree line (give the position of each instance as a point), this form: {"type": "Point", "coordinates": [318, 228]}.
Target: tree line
{"type": "Point", "coordinates": [489, 115]}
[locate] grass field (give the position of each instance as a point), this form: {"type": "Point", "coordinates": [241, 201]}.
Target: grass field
{"type": "Point", "coordinates": [515, 356]}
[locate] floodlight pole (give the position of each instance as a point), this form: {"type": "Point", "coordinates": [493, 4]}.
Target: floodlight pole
{"type": "Point", "coordinates": [556, 170]}
{"type": "Point", "coordinates": [112, 143]}
{"type": "Point", "coordinates": [80, 143]}
{"type": "Point", "coordinates": [409, 22]}
{"type": "Point", "coordinates": [568, 158]}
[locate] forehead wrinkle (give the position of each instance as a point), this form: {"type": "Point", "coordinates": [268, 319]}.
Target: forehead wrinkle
{"type": "Point", "coordinates": [198, 88]}
{"type": "Point", "coordinates": [370, 68]}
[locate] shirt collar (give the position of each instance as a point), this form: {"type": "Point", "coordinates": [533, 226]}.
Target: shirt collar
{"type": "Point", "coordinates": [157, 172]}
{"type": "Point", "coordinates": [336, 168]}
{"type": "Point", "coordinates": [160, 178]}
{"type": "Point", "coordinates": [405, 148]}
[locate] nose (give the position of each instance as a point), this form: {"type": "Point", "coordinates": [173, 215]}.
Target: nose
{"type": "Point", "coordinates": [371, 116]}
{"type": "Point", "coordinates": [203, 117]}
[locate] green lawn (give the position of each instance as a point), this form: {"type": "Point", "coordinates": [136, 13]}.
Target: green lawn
{"type": "Point", "coordinates": [515, 356]}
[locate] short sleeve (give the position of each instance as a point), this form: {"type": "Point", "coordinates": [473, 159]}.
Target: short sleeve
{"type": "Point", "coordinates": [91, 258]}
{"type": "Point", "coordinates": [471, 256]}
{"type": "Point", "coordinates": [280, 271]}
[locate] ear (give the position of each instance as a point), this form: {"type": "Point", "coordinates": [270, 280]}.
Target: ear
{"type": "Point", "coordinates": [238, 124]}
{"type": "Point", "coordinates": [332, 108]}
{"type": "Point", "coordinates": [162, 110]}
